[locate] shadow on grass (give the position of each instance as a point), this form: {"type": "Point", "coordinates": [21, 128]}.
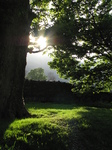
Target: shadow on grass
{"type": "Point", "coordinates": [57, 106]}
{"type": "Point", "coordinates": [95, 128]}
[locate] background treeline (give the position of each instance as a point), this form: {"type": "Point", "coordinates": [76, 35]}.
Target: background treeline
{"type": "Point", "coordinates": [46, 91]}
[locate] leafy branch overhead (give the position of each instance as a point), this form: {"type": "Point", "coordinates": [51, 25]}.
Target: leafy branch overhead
{"type": "Point", "coordinates": [81, 34]}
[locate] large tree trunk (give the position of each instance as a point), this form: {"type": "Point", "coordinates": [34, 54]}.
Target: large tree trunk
{"type": "Point", "coordinates": [14, 33]}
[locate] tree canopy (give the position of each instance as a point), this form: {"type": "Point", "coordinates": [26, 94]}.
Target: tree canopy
{"type": "Point", "coordinates": [81, 34]}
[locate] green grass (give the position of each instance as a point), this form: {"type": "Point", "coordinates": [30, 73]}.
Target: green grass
{"type": "Point", "coordinates": [59, 127]}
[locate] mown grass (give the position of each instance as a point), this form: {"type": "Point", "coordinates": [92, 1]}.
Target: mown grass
{"type": "Point", "coordinates": [59, 127]}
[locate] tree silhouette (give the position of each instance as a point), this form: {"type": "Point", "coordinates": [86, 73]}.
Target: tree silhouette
{"type": "Point", "coordinates": [15, 23]}
{"type": "Point", "coordinates": [16, 18]}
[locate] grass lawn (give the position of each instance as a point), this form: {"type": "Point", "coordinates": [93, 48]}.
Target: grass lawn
{"type": "Point", "coordinates": [59, 127]}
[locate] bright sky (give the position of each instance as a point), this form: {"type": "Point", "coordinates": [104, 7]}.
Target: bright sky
{"type": "Point", "coordinates": [39, 60]}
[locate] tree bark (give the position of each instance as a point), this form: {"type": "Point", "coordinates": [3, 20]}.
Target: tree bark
{"type": "Point", "coordinates": [14, 36]}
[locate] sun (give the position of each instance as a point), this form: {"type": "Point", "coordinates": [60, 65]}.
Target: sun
{"type": "Point", "coordinates": [38, 42]}
{"type": "Point", "coordinates": [42, 42]}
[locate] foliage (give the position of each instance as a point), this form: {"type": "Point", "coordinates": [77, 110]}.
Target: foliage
{"type": "Point", "coordinates": [40, 22]}
{"type": "Point", "coordinates": [56, 126]}
{"type": "Point", "coordinates": [81, 35]}
{"type": "Point", "coordinates": [36, 74]}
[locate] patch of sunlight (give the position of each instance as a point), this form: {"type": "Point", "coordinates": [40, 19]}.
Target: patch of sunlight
{"type": "Point", "coordinates": [45, 117]}
{"type": "Point", "coordinates": [58, 113]}
{"type": "Point", "coordinates": [18, 127]}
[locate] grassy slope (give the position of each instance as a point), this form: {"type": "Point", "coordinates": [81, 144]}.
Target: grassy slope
{"type": "Point", "coordinates": [59, 127]}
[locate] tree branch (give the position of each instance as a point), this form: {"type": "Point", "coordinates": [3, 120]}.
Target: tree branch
{"type": "Point", "coordinates": [30, 50]}
{"type": "Point", "coordinates": [100, 32]}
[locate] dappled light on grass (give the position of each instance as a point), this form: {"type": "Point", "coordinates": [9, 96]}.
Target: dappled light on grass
{"type": "Point", "coordinates": [60, 127]}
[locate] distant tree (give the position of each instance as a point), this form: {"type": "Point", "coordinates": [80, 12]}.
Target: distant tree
{"type": "Point", "coordinates": [36, 74]}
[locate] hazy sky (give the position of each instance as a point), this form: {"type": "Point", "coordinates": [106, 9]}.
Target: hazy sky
{"type": "Point", "coordinates": [40, 60]}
